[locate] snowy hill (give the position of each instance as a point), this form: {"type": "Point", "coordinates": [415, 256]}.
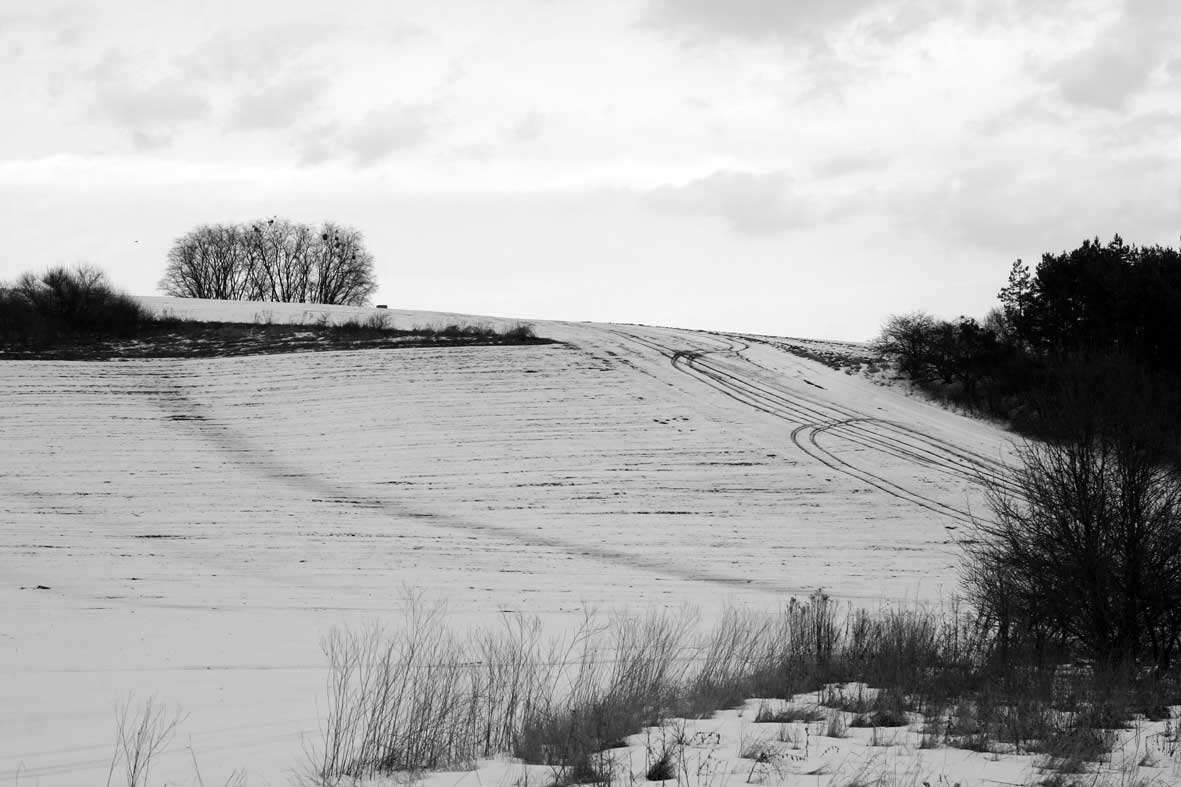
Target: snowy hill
{"type": "Point", "coordinates": [190, 528]}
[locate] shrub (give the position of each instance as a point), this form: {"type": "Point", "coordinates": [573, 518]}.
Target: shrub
{"type": "Point", "coordinates": [422, 697]}
{"type": "Point", "coordinates": [661, 765]}
{"type": "Point", "coordinates": [1083, 550]}
{"type": "Point", "coordinates": [66, 302]}
{"type": "Point", "coordinates": [787, 715]}
{"type": "Point", "coordinates": [520, 332]}
{"type": "Point", "coordinates": [141, 734]}
{"type": "Point", "coordinates": [908, 338]}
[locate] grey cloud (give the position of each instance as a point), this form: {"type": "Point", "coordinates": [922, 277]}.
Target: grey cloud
{"type": "Point", "coordinates": [317, 144]}
{"type": "Point", "coordinates": [755, 19]}
{"type": "Point", "coordinates": [378, 135]}
{"type": "Point", "coordinates": [384, 132]}
{"type": "Point", "coordinates": [850, 164]}
{"type": "Point", "coordinates": [66, 25]}
{"type": "Point", "coordinates": [1103, 76]}
{"type": "Point", "coordinates": [279, 104]}
{"type": "Point", "coordinates": [255, 54]}
{"type": "Point", "coordinates": [1032, 110]}
{"type": "Point", "coordinates": [1121, 61]}
{"type": "Point", "coordinates": [528, 127]}
{"type": "Point", "coordinates": [150, 112]}
{"type": "Point", "coordinates": [150, 140]}
{"type": "Point", "coordinates": [1015, 208]}
{"type": "Point", "coordinates": [749, 203]}
{"type": "Point", "coordinates": [806, 21]}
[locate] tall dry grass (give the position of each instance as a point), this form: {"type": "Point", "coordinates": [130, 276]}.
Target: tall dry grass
{"type": "Point", "coordinates": [419, 696]}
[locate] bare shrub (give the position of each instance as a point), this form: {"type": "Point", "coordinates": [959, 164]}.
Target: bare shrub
{"type": "Point", "coordinates": [836, 726]}
{"type": "Point", "coordinates": [909, 339]}
{"type": "Point", "coordinates": [64, 302]}
{"type": "Point", "coordinates": [1083, 551]}
{"type": "Point", "coordinates": [787, 715]}
{"type": "Point", "coordinates": [1072, 748]}
{"type": "Point", "coordinates": [397, 702]}
{"type": "Point", "coordinates": [420, 697]}
{"type": "Point", "coordinates": [606, 699]}
{"type": "Point", "coordinates": [661, 758]}
{"type": "Point", "coordinates": [520, 332]}
{"type": "Point", "coordinates": [141, 733]}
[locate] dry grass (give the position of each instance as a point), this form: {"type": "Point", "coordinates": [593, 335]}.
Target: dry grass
{"type": "Point", "coordinates": [420, 697]}
{"type": "Point", "coordinates": [142, 732]}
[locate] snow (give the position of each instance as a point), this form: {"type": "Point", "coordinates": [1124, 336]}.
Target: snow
{"type": "Point", "coordinates": [732, 749]}
{"type": "Point", "coordinates": [201, 523]}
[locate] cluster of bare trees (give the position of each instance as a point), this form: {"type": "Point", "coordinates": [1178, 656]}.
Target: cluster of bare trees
{"type": "Point", "coordinates": [271, 260]}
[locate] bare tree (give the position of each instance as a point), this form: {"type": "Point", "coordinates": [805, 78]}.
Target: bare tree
{"type": "Point", "coordinates": [277, 250]}
{"type": "Point", "coordinates": [1084, 549]}
{"type": "Point", "coordinates": [271, 260]}
{"type": "Point", "coordinates": [908, 338]}
{"type": "Point", "coordinates": [208, 263]}
{"type": "Point", "coordinates": [343, 267]}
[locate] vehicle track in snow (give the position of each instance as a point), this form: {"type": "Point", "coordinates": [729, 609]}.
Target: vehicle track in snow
{"type": "Point", "coordinates": [813, 418]}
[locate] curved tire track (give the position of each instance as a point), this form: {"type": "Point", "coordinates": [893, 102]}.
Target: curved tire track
{"type": "Point", "coordinates": [811, 419]}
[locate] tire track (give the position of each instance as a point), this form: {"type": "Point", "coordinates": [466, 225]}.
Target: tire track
{"type": "Point", "coordinates": [968, 456]}
{"type": "Point", "coordinates": [969, 466]}
{"type": "Point", "coordinates": [814, 418]}
{"type": "Point", "coordinates": [966, 464]}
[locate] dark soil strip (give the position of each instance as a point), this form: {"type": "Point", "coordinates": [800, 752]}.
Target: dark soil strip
{"type": "Point", "coordinates": [222, 340]}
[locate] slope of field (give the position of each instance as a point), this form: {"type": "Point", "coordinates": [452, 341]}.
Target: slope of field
{"type": "Point", "coordinates": [190, 528]}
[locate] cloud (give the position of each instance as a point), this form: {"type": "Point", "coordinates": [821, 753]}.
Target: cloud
{"type": "Point", "coordinates": [256, 55]}
{"type": "Point", "coordinates": [1018, 207]}
{"type": "Point", "coordinates": [750, 203]}
{"type": "Point", "coordinates": [385, 131]}
{"type": "Point", "coordinates": [65, 25]}
{"type": "Point", "coordinates": [1122, 59]}
{"type": "Point", "coordinates": [279, 104]}
{"type": "Point", "coordinates": [150, 112]}
{"type": "Point", "coordinates": [808, 21]}
{"type": "Point", "coordinates": [528, 128]}
{"type": "Point", "coordinates": [378, 135]}
{"type": "Point", "coordinates": [850, 164]}
{"type": "Point", "coordinates": [1155, 128]}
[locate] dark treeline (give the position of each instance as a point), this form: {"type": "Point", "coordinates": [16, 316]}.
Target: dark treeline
{"type": "Point", "coordinates": [271, 260]}
{"type": "Point", "coordinates": [1088, 336]}
{"type": "Point", "coordinates": [1080, 555]}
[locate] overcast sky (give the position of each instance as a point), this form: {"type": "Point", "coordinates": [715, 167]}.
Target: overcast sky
{"type": "Point", "coordinates": [799, 167]}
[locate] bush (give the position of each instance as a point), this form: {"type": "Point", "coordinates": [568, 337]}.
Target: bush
{"type": "Point", "coordinates": [520, 332]}
{"type": "Point", "coordinates": [1083, 552]}
{"type": "Point", "coordinates": [66, 302]}
{"type": "Point", "coordinates": [423, 697]}
{"type": "Point", "coordinates": [908, 338]}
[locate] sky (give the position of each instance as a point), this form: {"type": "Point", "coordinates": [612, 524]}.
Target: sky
{"type": "Point", "coordinates": [790, 167]}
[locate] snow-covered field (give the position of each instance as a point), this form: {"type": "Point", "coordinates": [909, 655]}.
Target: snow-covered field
{"type": "Point", "coordinates": [190, 528]}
